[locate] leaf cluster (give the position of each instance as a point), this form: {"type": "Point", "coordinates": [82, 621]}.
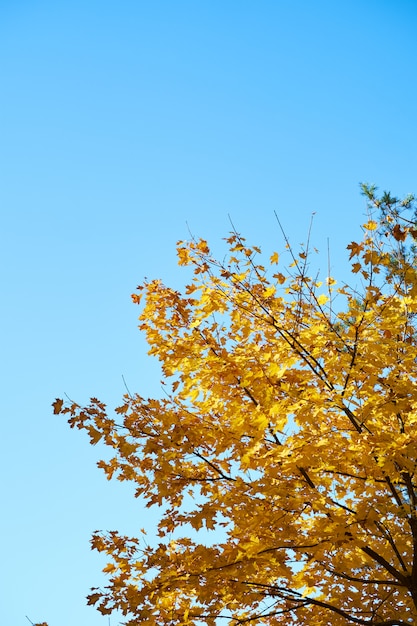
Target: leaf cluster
{"type": "Point", "coordinates": [283, 452]}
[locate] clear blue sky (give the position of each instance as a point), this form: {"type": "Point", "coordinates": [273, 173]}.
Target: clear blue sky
{"type": "Point", "coordinates": [121, 122]}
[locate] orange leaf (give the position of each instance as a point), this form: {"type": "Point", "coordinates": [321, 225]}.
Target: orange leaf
{"type": "Point", "coordinates": [57, 406]}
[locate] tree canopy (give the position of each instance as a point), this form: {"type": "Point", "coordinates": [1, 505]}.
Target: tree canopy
{"type": "Point", "coordinates": [283, 451]}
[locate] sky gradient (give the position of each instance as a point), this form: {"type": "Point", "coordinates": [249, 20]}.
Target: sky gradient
{"type": "Point", "coordinates": [124, 127]}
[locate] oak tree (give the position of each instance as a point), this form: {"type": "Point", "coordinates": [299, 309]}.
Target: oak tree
{"type": "Point", "coordinates": [283, 451]}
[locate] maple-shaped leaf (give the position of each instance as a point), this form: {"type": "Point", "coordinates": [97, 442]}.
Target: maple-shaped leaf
{"type": "Point", "coordinates": [355, 249]}
{"type": "Point", "coordinates": [93, 598]}
{"type": "Point", "coordinates": [399, 233]}
{"type": "Point", "coordinates": [57, 406]}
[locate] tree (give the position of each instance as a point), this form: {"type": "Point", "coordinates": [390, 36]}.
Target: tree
{"type": "Point", "coordinates": [284, 451]}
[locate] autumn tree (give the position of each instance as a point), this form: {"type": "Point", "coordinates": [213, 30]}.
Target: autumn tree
{"type": "Point", "coordinates": [283, 452]}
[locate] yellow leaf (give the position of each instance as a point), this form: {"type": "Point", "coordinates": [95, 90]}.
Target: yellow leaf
{"type": "Point", "coordinates": [270, 291]}
{"type": "Point", "coordinates": [109, 568]}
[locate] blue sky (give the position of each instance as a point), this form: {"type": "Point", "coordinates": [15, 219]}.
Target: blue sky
{"type": "Point", "coordinates": [123, 124]}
